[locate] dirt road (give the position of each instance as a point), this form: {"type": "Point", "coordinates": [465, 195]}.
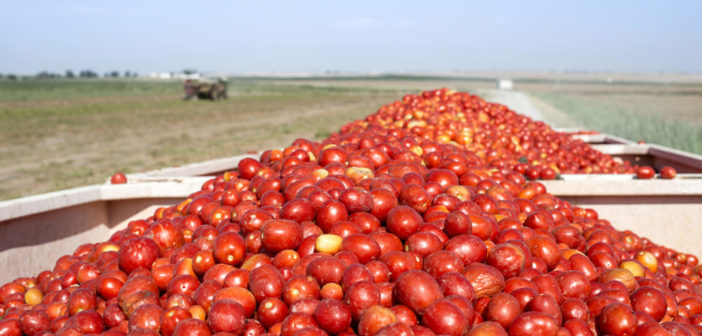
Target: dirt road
{"type": "Point", "coordinates": [515, 100]}
{"type": "Point", "coordinates": [530, 106]}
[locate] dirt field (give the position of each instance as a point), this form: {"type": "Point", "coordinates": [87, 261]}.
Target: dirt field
{"type": "Point", "coordinates": [58, 134]}
{"type": "Point", "coordinates": [54, 143]}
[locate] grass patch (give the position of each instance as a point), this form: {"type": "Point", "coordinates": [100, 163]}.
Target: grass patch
{"type": "Point", "coordinates": [629, 123]}
{"type": "Point", "coordinates": [42, 89]}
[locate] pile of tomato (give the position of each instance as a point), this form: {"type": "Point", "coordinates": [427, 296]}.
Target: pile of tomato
{"type": "Point", "coordinates": [417, 220]}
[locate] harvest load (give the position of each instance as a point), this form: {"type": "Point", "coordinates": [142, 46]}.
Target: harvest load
{"type": "Point", "coordinates": [418, 220]}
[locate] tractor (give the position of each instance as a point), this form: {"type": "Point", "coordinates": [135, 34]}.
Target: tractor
{"type": "Point", "coordinates": [213, 89]}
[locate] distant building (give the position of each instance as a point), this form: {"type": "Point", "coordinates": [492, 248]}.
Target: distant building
{"type": "Point", "coordinates": [505, 84]}
{"type": "Point", "coordinates": [182, 75]}
{"type": "Point", "coordinates": [174, 75]}
{"type": "Point", "coordinates": [161, 75]}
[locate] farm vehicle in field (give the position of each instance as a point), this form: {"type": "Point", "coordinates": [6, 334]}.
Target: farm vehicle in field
{"type": "Point", "coordinates": [213, 89]}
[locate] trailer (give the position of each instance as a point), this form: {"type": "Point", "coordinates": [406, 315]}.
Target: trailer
{"type": "Point", "coordinates": [36, 230]}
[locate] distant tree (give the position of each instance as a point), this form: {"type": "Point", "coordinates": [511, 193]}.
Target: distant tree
{"type": "Point", "coordinates": [189, 71]}
{"type": "Point", "coordinates": [2, 76]}
{"type": "Point", "coordinates": [135, 74]}
{"type": "Point", "coordinates": [114, 74]}
{"type": "Point", "coordinates": [69, 74]}
{"type": "Point", "coordinates": [127, 74]}
{"type": "Point", "coordinates": [88, 74]}
{"type": "Point", "coordinates": [11, 77]}
{"type": "Point", "coordinates": [46, 74]}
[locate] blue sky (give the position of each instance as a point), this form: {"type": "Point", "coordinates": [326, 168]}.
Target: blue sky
{"type": "Point", "coordinates": [355, 36]}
